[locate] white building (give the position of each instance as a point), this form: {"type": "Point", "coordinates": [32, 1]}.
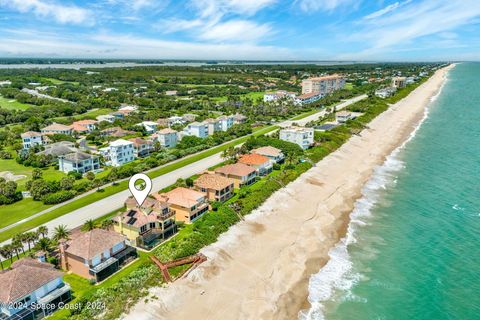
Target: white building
{"type": "Point", "coordinates": [130, 108]}
{"type": "Point", "coordinates": [343, 116]}
{"type": "Point", "coordinates": [57, 128]}
{"type": "Point", "coordinates": [299, 135]}
{"type": "Point", "coordinates": [308, 98]}
{"type": "Point", "coordinates": [167, 137]}
{"type": "Point", "coordinates": [385, 92]}
{"type": "Point", "coordinates": [107, 117]}
{"type": "Point", "coordinates": [274, 96]}
{"type": "Point", "coordinates": [197, 129]}
{"type": "Point", "coordinates": [118, 152]}
{"type": "Point", "coordinates": [150, 126]}
{"type": "Point", "coordinates": [78, 161]}
{"type": "Point", "coordinates": [141, 147]}
{"type": "Point", "coordinates": [213, 126]}
{"type": "Point", "coordinates": [31, 139]}
{"type": "Point", "coordinates": [399, 82]}
{"type": "Point", "coordinates": [323, 85]}
{"type": "Point", "coordinates": [226, 122]}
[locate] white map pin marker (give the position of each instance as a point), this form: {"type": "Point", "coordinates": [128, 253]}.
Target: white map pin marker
{"type": "Point", "coordinates": [135, 182]}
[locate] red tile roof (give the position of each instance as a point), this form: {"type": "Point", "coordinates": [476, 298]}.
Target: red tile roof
{"type": "Point", "coordinates": [253, 159]}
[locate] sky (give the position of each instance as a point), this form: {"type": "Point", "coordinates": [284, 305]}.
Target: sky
{"type": "Point", "coordinates": [358, 30]}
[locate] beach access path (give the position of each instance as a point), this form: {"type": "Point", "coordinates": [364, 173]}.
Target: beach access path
{"type": "Point", "coordinates": [104, 206]}
{"type": "Point", "coordinates": [260, 268]}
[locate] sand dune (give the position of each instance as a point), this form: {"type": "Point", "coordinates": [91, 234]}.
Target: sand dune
{"type": "Point", "coordinates": [260, 268]}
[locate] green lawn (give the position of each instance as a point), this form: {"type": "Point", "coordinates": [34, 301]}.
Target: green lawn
{"type": "Point", "coordinates": [11, 104]}
{"type": "Point", "coordinates": [58, 82]}
{"type": "Point", "coordinates": [91, 114]}
{"type": "Point", "coordinates": [11, 165]}
{"type": "Point", "coordinates": [349, 86]}
{"type": "Point", "coordinates": [20, 210]}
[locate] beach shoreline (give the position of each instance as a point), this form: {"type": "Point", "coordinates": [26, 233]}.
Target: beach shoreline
{"type": "Point", "coordinates": [260, 268]}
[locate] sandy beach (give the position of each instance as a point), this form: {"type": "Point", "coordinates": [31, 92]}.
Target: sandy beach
{"type": "Point", "coordinates": [260, 268]}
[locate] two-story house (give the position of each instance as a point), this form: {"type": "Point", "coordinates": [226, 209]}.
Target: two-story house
{"type": "Point", "coordinates": [78, 161]}
{"type": "Point", "coordinates": [141, 147]}
{"type": "Point", "coordinates": [188, 204]}
{"type": "Point", "coordinates": [150, 126]}
{"type": "Point", "coordinates": [167, 137]}
{"type": "Point", "coordinates": [274, 154]}
{"type": "Point", "coordinates": [147, 225]}
{"type": "Point", "coordinates": [31, 139]}
{"type": "Point", "coordinates": [84, 126]}
{"type": "Point", "coordinates": [57, 128]}
{"type": "Point", "coordinates": [263, 164]}
{"type": "Point", "coordinates": [299, 135]}
{"type": "Point", "coordinates": [96, 254]}
{"type": "Point", "coordinates": [241, 174]}
{"type": "Point", "coordinates": [216, 187]}
{"type": "Point", "coordinates": [31, 290]}
{"type": "Point", "coordinates": [118, 152]}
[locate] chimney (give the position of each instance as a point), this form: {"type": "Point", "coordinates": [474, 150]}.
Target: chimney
{"type": "Point", "coordinates": [63, 259]}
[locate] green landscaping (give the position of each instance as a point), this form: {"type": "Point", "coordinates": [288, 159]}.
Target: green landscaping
{"type": "Point", "coordinates": [12, 104]}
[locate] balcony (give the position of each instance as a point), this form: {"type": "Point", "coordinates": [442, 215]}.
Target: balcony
{"type": "Point", "coordinates": [103, 265]}
{"type": "Point", "coordinates": [55, 294]}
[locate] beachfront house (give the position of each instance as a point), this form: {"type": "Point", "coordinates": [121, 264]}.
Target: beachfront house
{"type": "Point", "coordinates": [241, 174]}
{"type": "Point", "coordinates": [141, 147]}
{"type": "Point", "coordinates": [216, 187]}
{"type": "Point", "coordinates": [57, 128]}
{"type": "Point", "coordinates": [31, 289]}
{"type": "Point", "coordinates": [188, 204]}
{"type": "Point", "coordinates": [274, 154]}
{"type": "Point", "coordinates": [95, 254]}
{"type": "Point", "coordinates": [399, 82]}
{"type": "Point", "coordinates": [263, 164]}
{"type": "Point", "coordinates": [31, 139]}
{"type": "Point", "coordinates": [118, 152]}
{"type": "Point", "coordinates": [299, 135]}
{"type": "Point", "coordinates": [78, 161]}
{"type": "Point", "coordinates": [147, 225]}
{"type": "Point", "coordinates": [343, 116]}
{"type": "Point", "coordinates": [197, 129]}
{"type": "Point", "coordinates": [167, 137]}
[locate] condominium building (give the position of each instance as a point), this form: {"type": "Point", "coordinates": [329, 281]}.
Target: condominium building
{"type": "Point", "coordinates": [213, 125]}
{"type": "Point", "coordinates": [308, 98]}
{"type": "Point", "coordinates": [197, 129]}
{"type": "Point", "coordinates": [281, 94]}
{"type": "Point", "coordinates": [226, 122]}
{"type": "Point", "coordinates": [298, 135]}
{"type": "Point", "coordinates": [399, 82]}
{"type": "Point", "coordinates": [323, 85]}
{"type": "Point", "coordinates": [119, 152]}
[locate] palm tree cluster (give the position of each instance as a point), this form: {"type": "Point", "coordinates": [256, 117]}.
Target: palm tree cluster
{"type": "Point", "coordinates": [37, 240]}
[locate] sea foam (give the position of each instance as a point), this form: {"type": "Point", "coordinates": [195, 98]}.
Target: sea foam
{"type": "Point", "coordinates": [335, 280]}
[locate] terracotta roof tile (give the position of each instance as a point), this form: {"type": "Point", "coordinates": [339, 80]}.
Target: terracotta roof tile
{"type": "Point", "coordinates": [213, 181]}
{"type": "Point", "coordinates": [253, 159]}
{"type": "Point", "coordinates": [182, 197]}
{"type": "Point", "coordinates": [89, 244]}
{"type": "Point", "coordinates": [237, 169]}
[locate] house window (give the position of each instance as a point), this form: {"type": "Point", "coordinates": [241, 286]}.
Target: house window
{"type": "Point", "coordinates": [143, 228]}
{"type": "Point", "coordinates": [152, 225]}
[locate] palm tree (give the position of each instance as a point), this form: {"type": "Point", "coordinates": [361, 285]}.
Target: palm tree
{"type": "Point", "coordinates": [17, 245]}
{"type": "Point", "coordinates": [45, 245]}
{"type": "Point", "coordinates": [31, 237]}
{"type": "Point", "coordinates": [89, 225]}
{"type": "Point", "coordinates": [60, 232]}
{"type": "Point", "coordinates": [7, 252]}
{"type": "Point", "coordinates": [20, 238]}
{"type": "Point", "coordinates": [106, 224]}
{"type": "Point", "coordinates": [3, 254]}
{"type": "Point", "coordinates": [42, 230]}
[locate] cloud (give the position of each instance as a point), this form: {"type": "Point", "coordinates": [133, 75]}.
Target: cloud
{"type": "Point", "coordinates": [386, 10]}
{"type": "Point", "coordinates": [238, 30]}
{"type": "Point", "coordinates": [323, 5]}
{"type": "Point", "coordinates": [126, 46]}
{"type": "Point", "coordinates": [64, 14]}
{"type": "Point", "coordinates": [415, 20]}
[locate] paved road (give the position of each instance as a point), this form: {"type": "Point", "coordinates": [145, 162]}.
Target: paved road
{"type": "Point", "coordinates": [104, 206]}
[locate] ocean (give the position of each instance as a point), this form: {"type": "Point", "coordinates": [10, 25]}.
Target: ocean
{"type": "Point", "coordinates": [412, 249]}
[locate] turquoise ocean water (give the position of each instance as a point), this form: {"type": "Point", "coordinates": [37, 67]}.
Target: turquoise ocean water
{"type": "Point", "coordinates": [413, 247]}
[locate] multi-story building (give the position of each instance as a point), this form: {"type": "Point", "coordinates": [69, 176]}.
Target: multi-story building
{"type": "Point", "coordinates": [263, 164]}
{"type": "Point", "coordinates": [78, 161]}
{"type": "Point", "coordinates": [274, 154]}
{"type": "Point", "coordinates": [147, 225]}
{"type": "Point", "coordinates": [188, 204]}
{"type": "Point", "coordinates": [308, 98]}
{"type": "Point", "coordinates": [239, 118]}
{"type": "Point", "coordinates": [107, 117]}
{"type": "Point", "coordinates": [241, 174]}
{"type": "Point", "coordinates": [31, 290]}
{"type": "Point", "coordinates": [57, 128]}
{"type": "Point", "coordinates": [226, 122]}
{"type": "Point", "coordinates": [141, 147]}
{"type": "Point", "coordinates": [281, 94]}
{"type": "Point", "coordinates": [323, 85]}
{"type": "Point", "coordinates": [167, 137]}
{"type": "Point", "coordinates": [96, 254]}
{"type": "Point", "coordinates": [343, 116]}
{"type": "Point", "coordinates": [197, 129]}
{"type": "Point", "coordinates": [150, 126]}
{"type": "Point", "coordinates": [399, 82]}
{"type": "Point", "coordinates": [118, 152]}
{"type": "Point", "coordinates": [385, 92]}
{"type": "Point", "coordinates": [213, 125]}
{"type": "Point", "coordinates": [216, 187]}
{"type": "Point", "coordinates": [31, 139]}
{"type": "Point", "coordinates": [299, 135]}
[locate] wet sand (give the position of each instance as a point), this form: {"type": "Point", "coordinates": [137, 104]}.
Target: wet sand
{"type": "Point", "coordinates": [260, 268]}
